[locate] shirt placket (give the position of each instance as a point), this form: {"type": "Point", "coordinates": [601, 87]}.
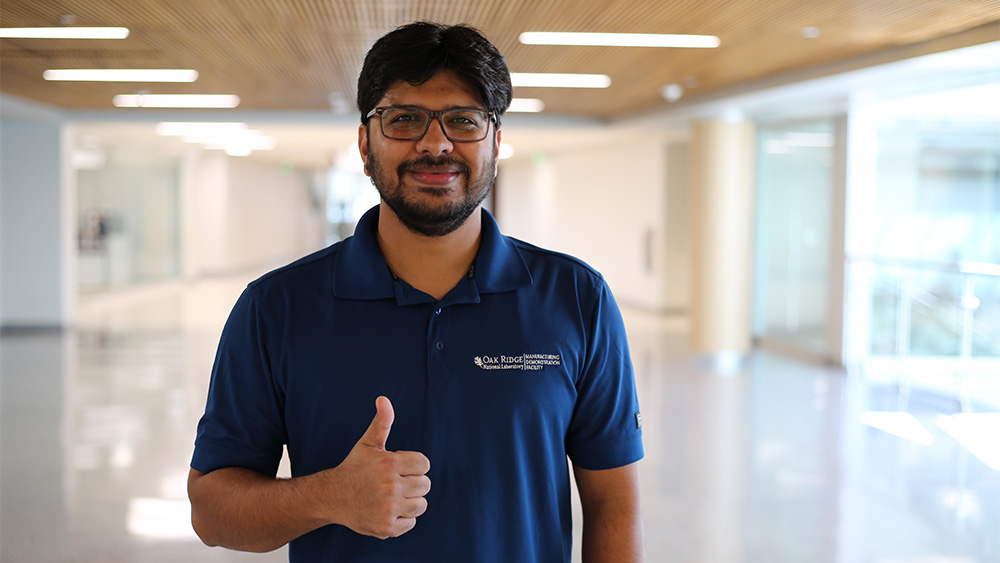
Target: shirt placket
{"type": "Point", "coordinates": [439, 346]}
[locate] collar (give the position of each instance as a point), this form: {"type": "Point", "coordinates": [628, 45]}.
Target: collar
{"type": "Point", "coordinates": [360, 272]}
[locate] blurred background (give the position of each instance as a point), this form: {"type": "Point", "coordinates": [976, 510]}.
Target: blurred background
{"type": "Point", "coordinates": [798, 209]}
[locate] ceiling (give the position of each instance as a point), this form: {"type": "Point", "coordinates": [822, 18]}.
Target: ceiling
{"type": "Point", "coordinates": [304, 55]}
{"type": "Point", "coordinates": [300, 54]}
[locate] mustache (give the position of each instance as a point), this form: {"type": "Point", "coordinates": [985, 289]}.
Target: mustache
{"type": "Point", "coordinates": [430, 161]}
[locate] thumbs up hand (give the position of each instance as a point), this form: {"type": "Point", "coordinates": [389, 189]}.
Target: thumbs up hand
{"type": "Point", "coordinates": [380, 493]}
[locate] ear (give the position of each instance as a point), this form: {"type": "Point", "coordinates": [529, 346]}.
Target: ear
{"type": "Point", "coordinates": [363, 145]}
{"type": "Point", "coordinates": [496, 154]}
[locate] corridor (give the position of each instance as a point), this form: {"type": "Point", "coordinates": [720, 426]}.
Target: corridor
{"type": "Point", "coordinates": [776, 462]}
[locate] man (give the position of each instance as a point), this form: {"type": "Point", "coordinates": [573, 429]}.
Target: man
{"type": "Point", "coordinates": [488, 361]}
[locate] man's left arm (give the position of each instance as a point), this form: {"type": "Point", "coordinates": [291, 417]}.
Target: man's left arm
{"type": "Point", "coordinates": [612, 523]}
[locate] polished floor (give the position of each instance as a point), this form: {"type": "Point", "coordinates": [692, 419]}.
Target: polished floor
{"type": "Point", "coordinates": [776, 461]}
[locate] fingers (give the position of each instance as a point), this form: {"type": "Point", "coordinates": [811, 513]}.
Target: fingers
{"type": "Point", "coordinates": [400, 527]}
{"type": "Point", "coordinates": [407, 518]}
{"type": "Point", "coordinates": [378, 431]}
{"type": "Point", "coordinates": [416, 486]}
{"type": "Point", "coordinates": [412, 463]}
{"type": "Point", "coordinates": [413, 508]}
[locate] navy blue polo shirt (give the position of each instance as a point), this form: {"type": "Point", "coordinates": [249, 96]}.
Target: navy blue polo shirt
{"type": "Point", "coordinates": [523, 363]}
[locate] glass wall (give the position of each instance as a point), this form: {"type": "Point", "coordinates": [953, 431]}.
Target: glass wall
{"type": "Point", "coordinates": [925, 244]}
{"type": "Point", "coordinates": [795, 195]}
{"type": "Point", "coordinates": [350, 194]}
{"type": "Point", "coordinates": [128, 206]}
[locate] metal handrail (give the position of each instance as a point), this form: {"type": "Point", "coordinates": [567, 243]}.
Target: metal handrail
{"type": "Point", "coordinates": [953, 267]}
{"type": "Point", "coordinates": [910, 293]}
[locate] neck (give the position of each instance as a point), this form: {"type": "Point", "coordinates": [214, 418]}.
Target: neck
{"type": "Point", "coordinates": [433, 265]}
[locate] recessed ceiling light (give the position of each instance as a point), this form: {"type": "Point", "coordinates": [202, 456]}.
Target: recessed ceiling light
{"type": "Point", "coordinates": [122, 75]}
{"type": "Point", "coordinates": [619, 39]}
{"type": "Point", "coordinates": [223, 101]}
{"type": "Point", "coordinates": [672, 92]}
{"type": "Point", "coordinates": [543, 80]}
{"type": "Point", "coordinates": [526, 105]}
{"type": "Point", "coordinates": [64, 32]}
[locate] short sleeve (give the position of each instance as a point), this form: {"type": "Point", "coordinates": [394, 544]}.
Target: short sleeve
{"type": "Point", "coordinates": [243, 424]}
{"type": "Point", "coordinates": [605, 431]}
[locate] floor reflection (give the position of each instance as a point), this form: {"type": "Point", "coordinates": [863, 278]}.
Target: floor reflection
{"type": "Point", "coordinates": [778, 461]}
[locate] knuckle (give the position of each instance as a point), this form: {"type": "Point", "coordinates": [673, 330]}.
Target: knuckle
{"type": "Point", "coordinates": [389, 464]}
{"type": "Point", "coordinates": [390, 489]}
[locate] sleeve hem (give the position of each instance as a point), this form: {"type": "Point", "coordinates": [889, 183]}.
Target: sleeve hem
{"type": "Point", "coordinates": [608, 455]}
{"type": "Point", "coordinates": [208, 459]}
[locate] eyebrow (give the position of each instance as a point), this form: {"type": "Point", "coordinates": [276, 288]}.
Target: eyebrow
{"type": "Point", "coordinates": [412, 106]}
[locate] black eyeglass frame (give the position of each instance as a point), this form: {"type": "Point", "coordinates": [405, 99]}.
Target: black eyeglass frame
{"type": "Point", "coordinates": [434, 114]}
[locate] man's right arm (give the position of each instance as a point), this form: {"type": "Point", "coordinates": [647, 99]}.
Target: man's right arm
{"type": "Point", "coordinates": [241, 509]}
{"type": "Point", "coordinates": [373, 492]}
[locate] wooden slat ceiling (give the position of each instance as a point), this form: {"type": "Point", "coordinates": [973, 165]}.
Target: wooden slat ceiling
{"type": "Point", "coordinates": [296, 54]}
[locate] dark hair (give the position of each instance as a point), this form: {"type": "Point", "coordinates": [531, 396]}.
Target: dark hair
{"type": "Point", "coordinates": [417, 51]}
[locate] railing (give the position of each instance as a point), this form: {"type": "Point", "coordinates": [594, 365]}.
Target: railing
{"type": "Point", "coordinates": [931, 318]}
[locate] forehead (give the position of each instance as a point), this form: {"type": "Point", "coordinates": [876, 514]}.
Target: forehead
{"type": "Point", "coordinates": [445, 89]}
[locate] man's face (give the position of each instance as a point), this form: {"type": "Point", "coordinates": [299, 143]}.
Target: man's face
{"type": "Point", "coordinates": [432, 184]}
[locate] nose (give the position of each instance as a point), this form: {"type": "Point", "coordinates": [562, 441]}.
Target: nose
{"type": "Point", "coordinates": [434, 141]}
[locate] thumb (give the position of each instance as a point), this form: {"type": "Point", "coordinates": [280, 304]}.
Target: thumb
{"type": "Point", "coordinates": [378, 431]}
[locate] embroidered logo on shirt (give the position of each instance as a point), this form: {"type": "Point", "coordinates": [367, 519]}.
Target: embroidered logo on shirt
{"type": "Point", "coordinates": [523, 362]}
{"type": "Point", "coordinates": [638, 421]}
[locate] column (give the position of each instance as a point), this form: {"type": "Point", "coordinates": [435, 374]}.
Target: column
{"type": "Point", "coordinates": [722, 203]}
{"type": "Point", "coordinates": [37, 222]}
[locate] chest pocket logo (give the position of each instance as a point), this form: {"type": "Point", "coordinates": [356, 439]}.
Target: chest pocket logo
{"type": "Point", "coordinates": [522, 362]}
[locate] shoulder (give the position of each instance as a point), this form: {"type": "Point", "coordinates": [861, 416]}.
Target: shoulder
{"type": "Point", "coordinates": [308, 270]}
{"type": "Point", "coordinates": [549, 262]}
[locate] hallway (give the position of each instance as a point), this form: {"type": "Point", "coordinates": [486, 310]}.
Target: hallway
{"type": "Point", "coordinates": [779, 462]}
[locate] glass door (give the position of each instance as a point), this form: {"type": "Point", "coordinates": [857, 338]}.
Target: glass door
{"type": "Point", "coordinates": [795, 226]}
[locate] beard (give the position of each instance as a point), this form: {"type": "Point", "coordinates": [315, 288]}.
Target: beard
{"type": "Point", "coordinates": [431, 218]}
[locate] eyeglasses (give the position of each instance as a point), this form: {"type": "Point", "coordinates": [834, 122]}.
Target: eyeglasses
{"type": "Point", "coordinates": [409, 123]}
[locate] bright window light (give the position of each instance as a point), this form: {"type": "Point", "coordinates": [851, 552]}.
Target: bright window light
{"type": "Point", "coordinates": [217, 101]}
{"type": "Point", "coordinates": [219, 137]}
{"type": "Point", "coordinates": [978, 433]}
{"type": "Point", "coordinates": [256, 142]}
{"type": "Point", "coordinates": [122, 75]}
{"type": "Point", "coordinates": [164, 519]}
{"type": "Point", "coordinates": [64, 32]}
{"type": "Point", "coordinates": [196, 128]}
{"type": "Point", "coordinates": [543, 80]}
{"type": "Point", "coordinates": [233, 138]}
{"type": "Point", "coordinates": [901, 424]}
{"type": "Point", "coordinates": [526, 105]}
{"type": "Point", "coordinates": [237, 150]}
{"type": "Point", "coordinates": [619, 39]}
{"type": "Point", "coordinates": [506, 151]}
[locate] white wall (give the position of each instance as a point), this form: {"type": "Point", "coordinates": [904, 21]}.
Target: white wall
{"type": "Point", "coordinates": [608, 206]}
{"type": "Point", "coordinates": [37, 224]}
{"type": "Point", "coordinates": [242, 214]}
{"type": "Point", "coordinates": [204, 189]}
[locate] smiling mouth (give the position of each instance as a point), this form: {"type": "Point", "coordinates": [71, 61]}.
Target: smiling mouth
{"type": "Point", "coordinates": [434, 177]}
{"type": "Point", "coordinates": [433, 172]}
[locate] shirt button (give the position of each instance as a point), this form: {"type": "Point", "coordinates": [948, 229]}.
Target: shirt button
{"type": "Point", "coordinates": [438, 312]}
{"type": "Point", "coordinates": [440, 345]}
